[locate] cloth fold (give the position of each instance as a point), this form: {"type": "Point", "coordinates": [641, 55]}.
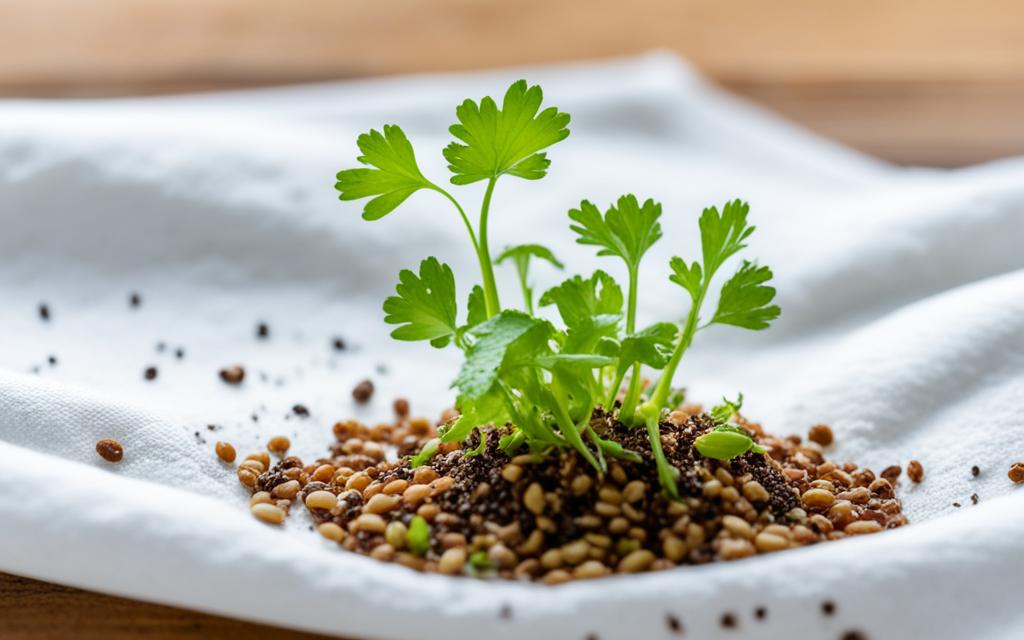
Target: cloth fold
{"type": "Point", "coordinates": [902, 292]}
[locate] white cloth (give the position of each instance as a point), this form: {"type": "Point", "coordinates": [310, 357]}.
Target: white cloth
{"type": "Point", "coordinates": [903, 327]}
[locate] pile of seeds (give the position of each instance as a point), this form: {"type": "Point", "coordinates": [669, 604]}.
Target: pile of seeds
{"type": "Point", "coordinates": [554, 519]}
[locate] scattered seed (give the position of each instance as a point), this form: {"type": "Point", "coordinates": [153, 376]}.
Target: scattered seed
{"type": "Point", "coordinates": [134, 299]}
{"type": "Point", "coordinates": [401, 407]}
{"type": "Point", "coordinates": [974, 498]}
{"type": "Point", "coordinates": [363, 392]}
{"type": "Point", "coordinates": [636, 561]}
{"type": "Point", "coordinates": [279, 445]}
{"type": "Point", "coordinates": [300, 410]}
{"type": "Point", "coordinates": [44, 312]}
{"type": "Point", "coordinates": [505, 613]}
{"type": "Point", "coordinates": [149, 373]}
{"type": "Point", "coordinates": [233, 374]}
{"type": "Point", "coordinates": [52, 360]}
{"type": "Point", "coordinates": [225, 451]}
{"type": "Point", "coordinates": [321, 500]}
{"type": "Point", "coordinates": [533, 498]}
{"type": "Point", "coordinates": [110, 450]}
{"type": "Point", "coordinates": [286, 490]}
{"type": "Point", "coordinates": [268, 512]}
{"type": "Point", "coordinates": [828, 607]}
{"type": "Point", "coordinates": [854, 635]}
{"type": "Point", "coordinates": [975, 471]}
{"type": "Point", "coordinates": [179, 353]}
{"type": "Point", "coordinates": [1016, 473]}
{"type": "Point", "coordinates": [891, 472]}
{"type": "Point", "coordinates": [817, 498]}
{"type": "Point", "coordinates": [728, 621]}
{"type": "Point", "coordinates": [760, 613]}
{"type": "Point", "coordinates": [262, 330]}
{"type": "Point", "coordinates": [338, 344]}
{"type": "Point", "coordinates": [381, 503]}
{"type": "Point", "coordinates": [820, 433]}
{"type": "Point", "coordinates": [674, 625]}
{"type": "Point", "coordinates": [915, 471]}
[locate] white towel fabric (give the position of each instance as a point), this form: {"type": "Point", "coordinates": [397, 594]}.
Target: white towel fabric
{"type": "Point", "coordinates": [903, 327]}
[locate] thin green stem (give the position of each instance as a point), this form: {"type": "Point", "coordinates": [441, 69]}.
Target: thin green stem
{"type": "Point", "coordinates": [568, 429]}
{"type": "Point", "coordinates": [462, 213]}
{"type": "Point", "coordinates": [664, 387]}
{"type": "Point", "coordinates": [491, 303]}
{"type": "Point", "coordinates": [627, 413]}
{"type": "Point", "coordinates": [527, 293]}
{"type": "Point", "coordinates": [666, 473]}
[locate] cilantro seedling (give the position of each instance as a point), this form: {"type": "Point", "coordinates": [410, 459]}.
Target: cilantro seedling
{"type": "Point", "coordinates": [542, 380]}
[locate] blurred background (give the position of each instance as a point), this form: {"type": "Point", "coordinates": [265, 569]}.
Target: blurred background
{"type": "Point", "coordinates": [931, 82]}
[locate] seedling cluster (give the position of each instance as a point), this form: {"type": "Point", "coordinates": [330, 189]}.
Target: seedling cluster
{"type": "Point", "coordinates": [544, 380]}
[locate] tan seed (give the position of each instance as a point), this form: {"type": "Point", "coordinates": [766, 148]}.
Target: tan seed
{"type": "Point", "coordinates": [358, 482]}
{"type": "Point", "coordinates": [268, 513]}
{"type": "Point", "coordinates": [382, 552]}
{"type": "Point", "coordinates": [395, 487]}
{"type": "Point", "coordinates": [755, 491]}
{"type": "Point", "coordinates": [423, 475]}
{"type": "Point", "coordinates": [606, 510]}
{"type": "Point", "coordinates": [451, 539]}
{"type": "Point", "coordinates": [511, 472]}
{"type": "Point", "coordinates": [262, 456]}
{"type": "Point", "coordinates": [396, 534]}
{"type": "Point", "coordinates": [738, 527]}
{"type": "Point", "coordinates": [558, 576]}
{"type": "Point", "coordinates": [323, 473]}
{"type": "Point", "coordinates": [428, 512]}
{"type": "Point", "coordinates": [575, 552]}
{"type": "Point", "coordinates": [636, 561]}
{"type": "Point", "coordinates": [279, 445]}
{"type": "Point", "coordinates": [533, 498]}
{"type": "Point", "coordinates": [502, 556]}
{"type": "Point", "coordinates": [533, 543]}
{"type": "Point", "coordinates": [581, 484]}
{"type": "Point", "coordinates": [321, 500]}
{"type": "Point", "coordinates": [712, 488]}
{"type": "Point", "coordinates": [673, 548]}
{"type": "Point", "coordinates": [331, 531]}
{"type": "Point", "coordinates": [110, 450]}
{"type": "Point", "coordinates": [258, 497]}
{"type": "Point", "coordinates": [370, 522]}
{"type": "Point", "coordinates": [381, 503]}
{"type": "Point", "coordinates": [443, 484]}
{"type": "Point", "coordinates": [915, 471]}
{"type": "Point", "coordinates": [247, 477]}
{"type": "Point", "coordinates": [232, 375]}
{"type": "Point", "coordinates": [734, 549]}
{"type": "Point", "coordinates": [767, 542]}
{"type": "Point", "coordinates": [255, 466]}
{"type": "Point", "coordinates": [590, 569]}
{"type": "Point", "coordinates": [610, 495]}
{"type": "Point", "coordinates": [416, 494]}
{"type": "Point", "coordinates": [372, 489]}
{"type": "Point", "coordinates": [820, 433]}
{"type": "Point", "coordinates": [862, 527]}
{"type": "Point", "coordinates": [817, 498]}
{"type": "Point", "coordinates": [286, 490]}
{"type": "Point", "coordinates": [891, 472]}
{"type": "Point", "coordinates": [452, 561]}
{"type": "Point", "coordinates": [225, 451]}
{"type": "Point", "coordinates": [618, 526]}
{"type": "Point", "coordinates": [634, 491]}
{"type": "Point", "coordinates": [881, 488]}
{"type": "Point", "coordinates": [552, 559]}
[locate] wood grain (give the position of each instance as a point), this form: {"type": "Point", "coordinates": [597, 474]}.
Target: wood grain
{"type": "Point", "coordinates": [33, 610]}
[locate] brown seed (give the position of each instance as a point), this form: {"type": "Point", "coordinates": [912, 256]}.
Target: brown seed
{"type": "Point", "coordinates": [232, 375]}
{"type": "Point", "coordinates": [225, 451]}
{"type": "Point", "coordinates": [1016, 473]}
{"type": "Point", "coordinates": [441, 485]}
{"type": "Point", "coordinates": [502, 556]}
{"type": "Point", "coordinates": [255, 466]}
{"type": "Point", "coordinates": [673, 548]}
{"type": "Point", "coordinates": [589, 569]}
{"type": "Point", "coordinates": [423, 475]}
{"type": "Point", "coordinates": [915, 471]}
{"type": "Point", "coordinates": [363, 392]}
{"type": "Point", "coordinates": [416, 494]}
{"type": "Point", "coordinates": [581, 484]}
{"type": "Point", "coordinates": [575, 552]}
{"type": "Point", "coordinates": [396, 486]}
{"type": "Point", "coordinates": [247, 477]}
{"type": "Point", "coordinates": [737, 526]}
{"type": "Point", "coordinates": [552, 559]}
{"type": "Point", "coordinates": [881, 487]}
{"type": "Point", "coordinates": [149, 373]}
{"type": "Point", "coordinates": [268, 512]}
{"type": "Point", "coordinates": [370, 522]}
{"type": "Point", "coordinates": [401, 407]}
{"type": "Point", "coordinates": [110, 450]}
{"type": "Point", "coordinates": [734, 549]}
{"type": "Point", "coordinates": [820, 433]}
{"type": "Point", "coordinates": [279, 445]}
{"type": "Point", "coordinates": [558, 576]}
{"type": "Point", "coordinates": [260, 496]}
{"type": "Point", "coordinates": [634, 491]}
{"type": "Point", "coordinates": [323, 473]}
{"type": "Point", "coordinates": [891, 472]}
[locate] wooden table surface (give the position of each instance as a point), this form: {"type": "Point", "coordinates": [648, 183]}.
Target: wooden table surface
{"type": "Point", "coordinates": [934, 82]}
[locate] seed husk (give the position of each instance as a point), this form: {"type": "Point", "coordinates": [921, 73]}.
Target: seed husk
{"type": "Point", "coordinates": [234, 374]}
{"type": "Point", "coordinates": [1016, 473]}
{"type": "Point", "coordinates": [915, 471]}
{"type": "Point", "coordinates": [279, 445]}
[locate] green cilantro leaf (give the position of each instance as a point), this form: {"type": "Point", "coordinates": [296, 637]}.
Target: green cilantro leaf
{"type": "Point", "coordinates": [721, 413]}
{"type": "Point", "coordinates": [745, 299]}
{"type": "Point", "coordinates": [651, 346]}
{"type": "Point", "coordinates": [507, 140]}
{"type": "Point", "coordinates": [493, 338]}
{"type": "Point", "coordinates": [627, 229]}
{"type": "Point", "coordinates": [722, 235]}
{"type": "Point", "coordinates": [688, 276]}
{"type": "Point", "coordinates": [428, 451]}
{"type": "Point", "coordinates": [425, 305]}
{"type": "Point", "coordinates": [579, 300]}
{"type": "Point", "coordinates": [520, 255]}
{"type": "Point", "coordinates": [394, 178]}
{"type": "Point", "coordinates": [476, 306]}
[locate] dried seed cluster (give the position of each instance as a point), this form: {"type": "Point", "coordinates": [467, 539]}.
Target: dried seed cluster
{"type": "Point", "coordinates": [553, 519]}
